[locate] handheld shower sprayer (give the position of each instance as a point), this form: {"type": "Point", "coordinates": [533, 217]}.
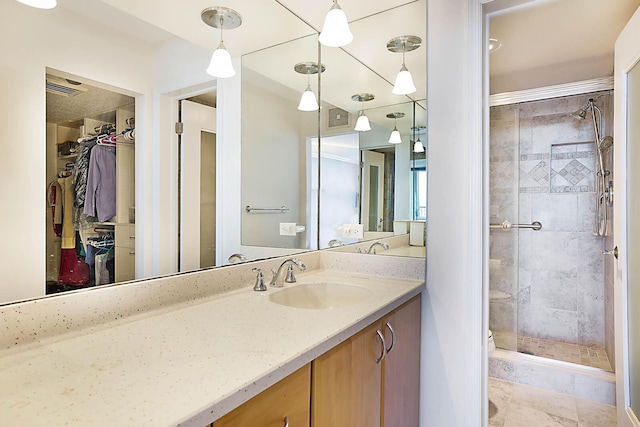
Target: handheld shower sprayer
{"type": "Point", "coordinates": [603, 191]}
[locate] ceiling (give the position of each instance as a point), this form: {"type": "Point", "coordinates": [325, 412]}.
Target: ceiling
{"type": "Point", "coordinates": [544, 42]}
{"type": "Point", "coordinates": [550, 42]}
{"type": "Point", "coordinates": [363, 66]}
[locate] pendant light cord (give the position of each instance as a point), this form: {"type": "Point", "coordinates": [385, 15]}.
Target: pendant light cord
{"type": "Point", "coordinates": [222, 30]}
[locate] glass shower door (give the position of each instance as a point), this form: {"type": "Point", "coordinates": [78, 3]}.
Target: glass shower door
{"type": "Point", "coordinates": [504, 201]}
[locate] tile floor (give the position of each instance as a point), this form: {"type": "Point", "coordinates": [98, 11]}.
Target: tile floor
{"type": "Point", "coordinates": [519, 405]}
{"type": "Point", "coordinates": [582, 354]}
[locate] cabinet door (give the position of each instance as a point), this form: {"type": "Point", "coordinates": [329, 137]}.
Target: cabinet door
{"type": "Point", "coordinates": [401, 368]}
{"type": "Point", "coordinates": [289, 398]}
{"type": "Point", "coordinates": [346, 382]}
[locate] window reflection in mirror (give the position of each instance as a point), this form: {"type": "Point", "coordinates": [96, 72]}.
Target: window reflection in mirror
{"type": "Point", "coordinates": [90, 178]}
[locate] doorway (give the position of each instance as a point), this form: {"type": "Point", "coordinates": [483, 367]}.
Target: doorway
{"type": "Point", "coordinates": [90, 152]}
{"type": "Point", "coordinates": [197, 184]}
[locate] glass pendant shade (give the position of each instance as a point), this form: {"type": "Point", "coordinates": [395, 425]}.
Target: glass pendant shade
{"type": "Point", "coordinates": [362, 125]}
{"type": "Point", "coordinates": [40, 4]}
{"type": "Point", "coordinates": [308, 101]}
{"type": "Point", "coordinates": [418, 147]}
{"type": "Point", "coordinates": [404, 83]}
{"type": "Point", "coordinates": [335, 31]}
{"type": "Point", "coordinates": [221, 65]}
{"type": "Point", "coordinates": [395, 137]}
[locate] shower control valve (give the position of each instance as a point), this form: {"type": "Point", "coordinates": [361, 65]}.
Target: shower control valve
{"type": "Point", "coordinates": [613, 252]}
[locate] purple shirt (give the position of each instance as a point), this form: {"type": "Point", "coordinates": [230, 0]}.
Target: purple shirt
{"type": "Point", "coordinates": [101, 183]}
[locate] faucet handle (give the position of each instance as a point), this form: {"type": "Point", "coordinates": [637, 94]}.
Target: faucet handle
{"type": "Point", "coordinates": [259, 286]}
{"type": "Point", "coordinates": [290, 278]}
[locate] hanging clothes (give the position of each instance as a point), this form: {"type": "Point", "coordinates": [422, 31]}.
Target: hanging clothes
{"type": "Point", "coordinates": [54, 198]}
{"type": "Point", "coordinates": [100, 198]}
{"type": "Point", "coordinates": [101, 273]}
{"type": "Point", "coordinates": [81, 170]}
{"type": "Point", "coordinates": [68, 231]}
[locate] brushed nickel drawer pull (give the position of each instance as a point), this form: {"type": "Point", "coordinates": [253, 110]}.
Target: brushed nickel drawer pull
{"type": "Point", "coordinates": [384, 347]}
{"type": "Point", "coordinates": [393, 337]}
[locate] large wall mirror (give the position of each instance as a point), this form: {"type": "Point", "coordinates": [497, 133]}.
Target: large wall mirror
{"type": "Point", "coordinates": [364, 179]}
{"type": "Point", "coordinates": [152, 60]}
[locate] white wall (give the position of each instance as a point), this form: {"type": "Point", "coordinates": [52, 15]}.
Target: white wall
{"type": "Point", "coordinates": [271, 142]}
{"type": "Point", "coordinates": [452, 333]}
{"type": "Point", "coordinates": [33, 40]}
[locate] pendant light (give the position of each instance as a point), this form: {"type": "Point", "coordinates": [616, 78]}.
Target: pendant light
{"type": "Point", "coordinates": [404, 82]}
{"type": "Point", "coordinates": [40, 4]}
{"type": "Point", "coordinates": [308, 101]}
{"type": "Point", "coordinates": [335, 31]}
{"type": "Point", "coordinates": [223, 18]}
{"type": "Point", "coordinates": [395, 134]}
{"type": "Point", "coordinates": [362, 124]}
{"type": "Point", "coordinates": [418, 146]}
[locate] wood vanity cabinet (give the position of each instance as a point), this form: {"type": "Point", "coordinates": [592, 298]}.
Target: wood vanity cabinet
{"type": "Point", "coordinates": [350, 388]}
{"type": "Point", "coordinates": [287, 399]}
{"type": "Point", "coordinates": [358, 383]}
{"type": "Point", "coordinates": [345, 385]}
{"type": "Point", "coordinates": [401, 367]}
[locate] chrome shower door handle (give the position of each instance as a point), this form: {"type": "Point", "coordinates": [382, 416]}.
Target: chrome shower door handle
{"type": "Point", "coordinates": [507, 226]}
{"type": "Point", "coordinates": [613, 252]}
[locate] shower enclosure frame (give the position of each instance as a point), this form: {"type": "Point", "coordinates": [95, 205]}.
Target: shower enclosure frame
{"type": "Point", "coordinates": [577, 88]}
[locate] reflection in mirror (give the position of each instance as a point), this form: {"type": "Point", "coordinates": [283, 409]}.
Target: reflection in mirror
{"type": "Point", "coordinates": [368, 181]}
{"type": "Point", "coordinates": [387, 189]}
{"type": "Point", "coordinates": [90, 184]}
{"type": "Point", "coordinates": [276, 146]}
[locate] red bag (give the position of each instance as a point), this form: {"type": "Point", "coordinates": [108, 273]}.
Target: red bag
{"type": "Point", "coordinates": [73, 270]}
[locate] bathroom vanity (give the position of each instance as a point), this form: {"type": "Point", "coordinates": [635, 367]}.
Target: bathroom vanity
{"type": "Point", "coordinates": [349, 384]}
{"type": "Point", "coordinates": [203, 347]}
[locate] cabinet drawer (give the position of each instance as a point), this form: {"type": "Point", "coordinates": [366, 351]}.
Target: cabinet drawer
{"type": "Point", "coordinates": [288, 398]}
{"type": "Point", "coordinates": [125, 235]}
{"type": "Point", "coordinates": [125, 264]}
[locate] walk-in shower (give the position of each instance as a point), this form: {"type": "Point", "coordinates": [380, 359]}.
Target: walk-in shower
{"type": "Point", "coordinates": [603, 183]}
{"type": "Point", "coordinates": [548, 293]}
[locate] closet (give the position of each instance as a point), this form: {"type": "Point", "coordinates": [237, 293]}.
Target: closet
{"type": "Point", "coordinates": [90, 186]}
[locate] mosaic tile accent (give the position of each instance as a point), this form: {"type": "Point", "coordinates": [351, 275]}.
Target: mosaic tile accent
{"type": "Point", "coordinates": [572, 168]}
{"type": "Point", "coordinates": [534, 173]}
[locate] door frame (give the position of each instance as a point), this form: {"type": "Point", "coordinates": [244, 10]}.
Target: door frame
{"type": "Point", "coordinates": [627, 55]}
{"type": "Point", "coordinates": [172, 115]}
{"type": "Point", "coordinates": [365, 184]}
{"type": "Point", "coordinates": [190, 229]}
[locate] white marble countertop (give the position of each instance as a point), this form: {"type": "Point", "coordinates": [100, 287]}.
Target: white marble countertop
{"type": "Point", "coordinates": [408, 251]}
{"type": "Point", "coordinates": [185, 364]}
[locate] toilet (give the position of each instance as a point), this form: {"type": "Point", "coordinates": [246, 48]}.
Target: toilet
{"type": "Point", "coordinates": [492, 344]}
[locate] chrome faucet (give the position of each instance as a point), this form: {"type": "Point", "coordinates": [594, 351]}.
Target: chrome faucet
{"type": "Point", "coordinates": [277, 279]}
{"type": "Point", "coordinates": [335, 243]}
{"type": "Point", "coordinates": [373, 247]}
{"type": "Point", "coordinates": [237, 257]}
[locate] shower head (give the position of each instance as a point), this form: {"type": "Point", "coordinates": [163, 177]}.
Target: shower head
{"type": "Point", "coordinates": [605, 143]}
{"type": "Point", "coordinates": [580, 114]}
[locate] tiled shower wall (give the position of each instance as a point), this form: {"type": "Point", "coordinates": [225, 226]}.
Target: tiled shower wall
{"type": "Point", "coordinates": [542, 169]}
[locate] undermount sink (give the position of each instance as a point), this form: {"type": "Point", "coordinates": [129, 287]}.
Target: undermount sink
{"type": "Point", "coordinates": [320, 295]}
